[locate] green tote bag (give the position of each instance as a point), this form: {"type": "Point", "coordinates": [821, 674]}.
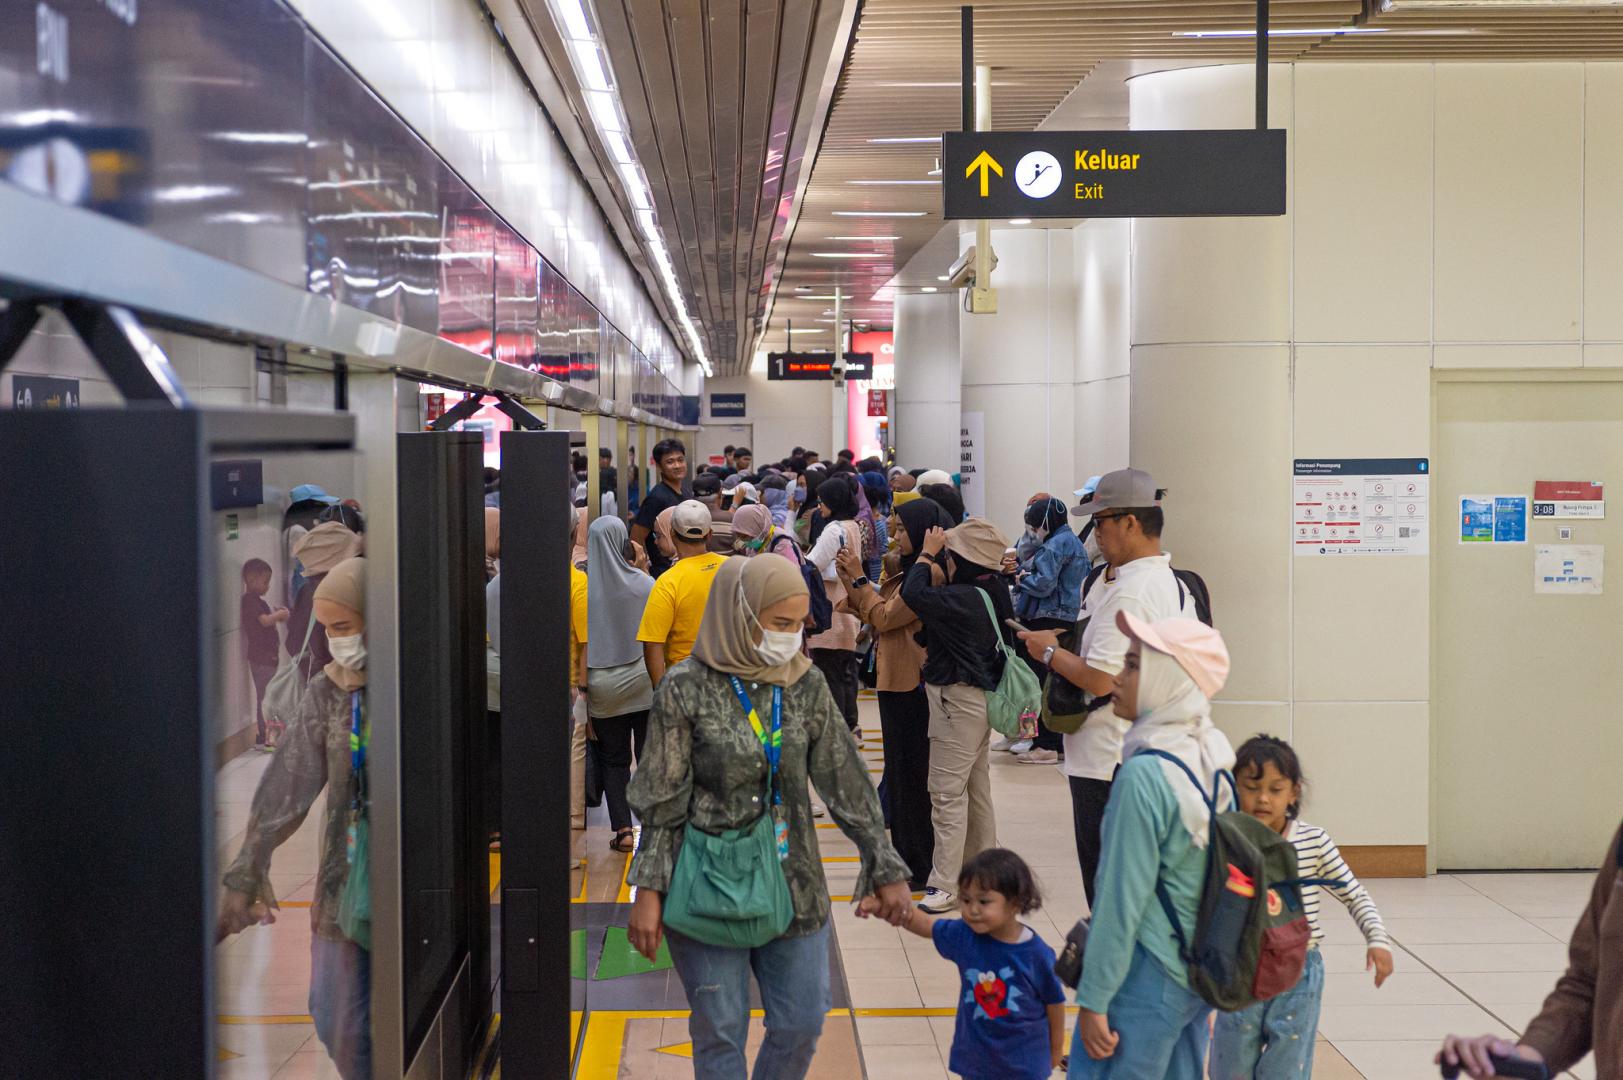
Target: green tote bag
{"type": "Point", "coordinates": [728, 889]}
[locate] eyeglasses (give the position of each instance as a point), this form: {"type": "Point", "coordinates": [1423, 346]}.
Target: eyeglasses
{"type": "Point", "coordinates": [1106, 517]}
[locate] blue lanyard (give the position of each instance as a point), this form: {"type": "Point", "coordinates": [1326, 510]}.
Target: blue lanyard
{"type": "Point", "coordinates": [771, 739]}
{"type": "Point", "coordinates": [358, 738]}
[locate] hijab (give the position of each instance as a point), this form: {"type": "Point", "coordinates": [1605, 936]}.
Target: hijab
{"type": "Point", "coordinates": [1174, 716]}
{"type": "Point", "coordinates": [493, 542]}
{"type": "Point", "coordinates": [877, 490]}
{"type": "Point", "coordinates": [866, 522]}
{"type": "Point", "coordinates": [741, 590]}
{"type": "Point", "coordinates": [840, 496]}
{"type": "Point", "coordinates": [919, 516]}
{"type": "Point", "coordinates": [776, 500]}
{"type": "Point", "coordinates": [753, 521]}
{"type": "Point", "coordinates": [345, 585]}
{"type": "Point", "coordinates": [577, 528]}
{"type": "Point", "coordinates": [662, 528]}
{"type": "Point", "coordinates": [1046, 514]}
{"type": "Point", "coordinates": [616, 593]}
{"type": "Point", "coordinates": [325, 546]}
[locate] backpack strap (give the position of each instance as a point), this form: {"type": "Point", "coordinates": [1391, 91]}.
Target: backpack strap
{"type": "Point", "coordinates": [1211, 800]}
{"type": "Point", "coordinates": [1172, 917]}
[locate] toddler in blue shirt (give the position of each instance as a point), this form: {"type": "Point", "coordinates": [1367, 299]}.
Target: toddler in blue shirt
{"type": "Point", "coordinates": [1011, 1011]}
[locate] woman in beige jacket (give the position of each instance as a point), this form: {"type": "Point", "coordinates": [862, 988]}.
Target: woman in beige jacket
{"type": "Point", "coordinates": [904, 709]}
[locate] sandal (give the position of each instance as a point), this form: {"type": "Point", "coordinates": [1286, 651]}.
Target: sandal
{"type": "Point", "coordinates": [625, 841]}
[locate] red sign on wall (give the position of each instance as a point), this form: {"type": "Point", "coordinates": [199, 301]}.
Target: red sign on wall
{"type": "Point", "coordinates": [878, 403]}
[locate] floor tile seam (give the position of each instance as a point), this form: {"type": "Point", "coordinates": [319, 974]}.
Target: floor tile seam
{"type": "Point", "coordinates": [1444, 976]}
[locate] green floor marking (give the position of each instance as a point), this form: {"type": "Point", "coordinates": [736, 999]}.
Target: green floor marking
{"type": "Point", "coordinates": [577, 954]}
{"type": "Point", "coordinates": [619, 959]}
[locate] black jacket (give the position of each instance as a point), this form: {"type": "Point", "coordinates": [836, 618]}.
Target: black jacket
{"type": "Point", "coordinates": [958, 634]}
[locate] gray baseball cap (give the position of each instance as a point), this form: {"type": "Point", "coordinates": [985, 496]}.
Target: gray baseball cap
{"type": "Point", "coordinates": [1124, 489]}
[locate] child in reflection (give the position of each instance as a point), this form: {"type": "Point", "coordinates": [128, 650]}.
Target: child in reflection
{"type": "Point", "coordinates": [324, 749]}
{"type": "Point", "coordinates": [260, 640]}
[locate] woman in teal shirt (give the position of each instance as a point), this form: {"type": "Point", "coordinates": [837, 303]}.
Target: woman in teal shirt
{"type": "Point", "coordinates": [1138, 1018]}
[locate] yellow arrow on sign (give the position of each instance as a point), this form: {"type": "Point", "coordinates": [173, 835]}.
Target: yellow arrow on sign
{"type": "Point", "coordinates": [987, 165]}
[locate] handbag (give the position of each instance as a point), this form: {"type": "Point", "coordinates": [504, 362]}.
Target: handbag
{"type": "Point", "coordinates": [285, 691]}
{"type": "Point", "coordinates": [1013, 707]}
{"type": "Point", "coordinates": [728, 888]}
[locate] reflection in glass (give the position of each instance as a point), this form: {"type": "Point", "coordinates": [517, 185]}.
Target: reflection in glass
{"type": "Point", "coordinates": [294, 924]}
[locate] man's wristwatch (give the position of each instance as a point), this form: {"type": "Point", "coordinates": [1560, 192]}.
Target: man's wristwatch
{"type": "Point", "coordinates": [1048, 654]}
{"type": "Point", "coordinates": [860, 582]}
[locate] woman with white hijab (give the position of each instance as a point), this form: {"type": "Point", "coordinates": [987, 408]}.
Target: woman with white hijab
{"type": "Point", "coordinates": [1138, 1018]}
{"type": "Point", "coordinates": [618, 692]}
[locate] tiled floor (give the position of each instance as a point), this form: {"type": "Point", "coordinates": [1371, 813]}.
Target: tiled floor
{"type": "Point", "coordinates": [1474, 953]}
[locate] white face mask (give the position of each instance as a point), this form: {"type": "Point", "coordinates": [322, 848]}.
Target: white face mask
{"type": "Point", "coordinates": [350, 652]}
{"type": "Point", "coordinates": [778, 646]}
{"type": "Point", "coordinates": [1090, 545]}
{"type": "Point", "coordinates": [1040, 532]}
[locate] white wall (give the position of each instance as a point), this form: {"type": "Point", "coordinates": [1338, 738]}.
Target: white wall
{"type": "Point", "coordinates": [927, 380]}
{"type": "Point", "coordinates": [1447, 216]}
{"type": "Point", "coordinates": [786, 414]}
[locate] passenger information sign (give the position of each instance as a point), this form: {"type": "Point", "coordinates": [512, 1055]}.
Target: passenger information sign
{"type": "Point", "coordinates": [804, 365]}
{"type": "Point", "coordinates": [1361, 506]}
{"type": "Point", "coordinates": [1095, 174]}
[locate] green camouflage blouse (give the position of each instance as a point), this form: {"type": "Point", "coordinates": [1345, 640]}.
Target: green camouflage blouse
{"type": "Point", "coordinates": [311, 755]}
{"type": "Point", "coordinates": [704, 764]}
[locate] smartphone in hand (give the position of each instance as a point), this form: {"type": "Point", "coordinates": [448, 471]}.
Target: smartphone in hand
{"type": "Point", "coordinates": [1015, 624]}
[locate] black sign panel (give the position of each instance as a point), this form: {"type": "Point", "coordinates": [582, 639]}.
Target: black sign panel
{"type": "Point", "coordinates": [727, 405]}
{"type": "Point", "coordinates": [807, 365]}
{"type": "Point", "coordinates": [1096, 174]}
{"type": "Point", "coordinates": [236, 483]}
{"type": "Point", "coordinates": [44, 392]}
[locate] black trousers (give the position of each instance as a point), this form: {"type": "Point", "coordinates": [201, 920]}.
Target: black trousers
{"type": "Point", "coordinates": [1047, 739]}
{"type": "Point", "coordinates": [839, 667]}
{"type": "Point", "coordinates": [615, 736]}
{"type": "Point", "coordinates": [1088, 799]}
{"type": "Point", "coordinates": [904, 720]}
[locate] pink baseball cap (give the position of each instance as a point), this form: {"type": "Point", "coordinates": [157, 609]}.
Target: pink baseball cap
{"type": "Point", "coordinates": [1197, 648]}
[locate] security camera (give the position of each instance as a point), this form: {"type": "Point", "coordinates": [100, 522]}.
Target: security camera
{"type": "Point", "coordinates": [837, 366]}
{"type": "Point", "coordinates": [962, 273]}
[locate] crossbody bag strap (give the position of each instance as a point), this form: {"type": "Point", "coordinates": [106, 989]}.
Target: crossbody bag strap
{"type": "Point", "coordinates": [309, 628]}
{"type": "Point", "coordinates": [997, 630]}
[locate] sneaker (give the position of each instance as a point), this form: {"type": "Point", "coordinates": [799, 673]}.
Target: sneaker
{"type": "Point", "coordinates": [1021, 747]}
{"type": "Point", "coordinates": [818, 811]}
{"type": "Point", "coordinates": [1003, 746]}
{"type": "Point", "coordinates": [938, 902]}
{"type": "Point", "coordinates": [1039, 757]}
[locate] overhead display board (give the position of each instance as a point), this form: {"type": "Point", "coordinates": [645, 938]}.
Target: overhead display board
{"type": "Point", "coordinates": [812, 366]}
{"type": "Point", "coordinates": [1097, 174]}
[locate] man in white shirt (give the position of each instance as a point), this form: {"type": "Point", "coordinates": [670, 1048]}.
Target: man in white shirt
{"type": "Point", "coordinates": [1127, 522]}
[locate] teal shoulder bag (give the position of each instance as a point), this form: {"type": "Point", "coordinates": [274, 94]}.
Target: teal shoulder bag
{"type": "Point", "coordinates": [728, 889]}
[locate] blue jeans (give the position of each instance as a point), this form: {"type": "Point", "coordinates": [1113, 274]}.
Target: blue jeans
{"type": "Point", "coordinates": [1273, 1039]}
{"type": "Point", "coordinates": [792, 973]}
{"type": "Point", "coordinates": [341, 1004]}
{"type": "Point", "coordinates": [1162, 1028]}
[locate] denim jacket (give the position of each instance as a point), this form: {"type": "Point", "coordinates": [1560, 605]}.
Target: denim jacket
{"type": "Point", "coordinates": [1053, 588]}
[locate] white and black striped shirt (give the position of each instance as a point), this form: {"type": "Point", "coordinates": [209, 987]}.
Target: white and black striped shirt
{"type": "Point", "coordinates": [1318, 857]}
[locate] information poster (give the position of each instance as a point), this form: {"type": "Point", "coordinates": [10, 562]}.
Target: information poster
{"type": "Point", "coordinates": [1361, 506]}
{"type": "Point", "coordinates": [1569, 569]}
{"type": "Point", "coordinates": [1493, 519]}
{"type": "Point", "coordinates": [1569, 499]}
{"type": "Point", "coordinates": [972, 462]}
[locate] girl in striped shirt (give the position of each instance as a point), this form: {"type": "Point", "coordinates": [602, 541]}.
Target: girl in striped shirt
{"type": "Point", "coordinates": [1273, 1039]}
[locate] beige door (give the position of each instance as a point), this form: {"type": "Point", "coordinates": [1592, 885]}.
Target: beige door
{"type": "Point", "coordinates": [1528, 695]}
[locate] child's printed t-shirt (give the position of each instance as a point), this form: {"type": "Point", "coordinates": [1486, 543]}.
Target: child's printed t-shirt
{"type": "Point", "coordinates": [1002, 1027]}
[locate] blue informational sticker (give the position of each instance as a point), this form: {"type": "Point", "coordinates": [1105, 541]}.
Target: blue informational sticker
{"type": "Point", "coordinates": [1476, 520]}
{"type": "Point", "coordinates": [1510, 519]}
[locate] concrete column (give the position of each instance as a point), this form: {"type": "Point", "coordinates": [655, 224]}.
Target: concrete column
{"type": "Point", "coordinates": [927, 381]}
{"type": "Point", "coordinates": [1019, 371]}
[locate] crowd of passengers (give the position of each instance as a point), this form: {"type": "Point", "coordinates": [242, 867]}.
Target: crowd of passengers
{"type": "Point", "coordinates": [721, 631]}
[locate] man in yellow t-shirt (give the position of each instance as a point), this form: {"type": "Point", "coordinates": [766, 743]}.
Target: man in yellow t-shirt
{"type": "Point", "coordinates": [577, 629]}
{"type": "Point", "coordinates": [670, 619]}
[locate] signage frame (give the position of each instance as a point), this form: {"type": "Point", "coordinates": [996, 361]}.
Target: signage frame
{"type": "Point", "coordinates": [1226, 172]}
{"type": "Point", "coordinates": [816, 366]}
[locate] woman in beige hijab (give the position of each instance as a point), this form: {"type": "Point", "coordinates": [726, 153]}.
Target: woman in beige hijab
{"type": "Point", "coordinates": [707, 766]}
{"type": "Point", "coordinates": [318, 551]}
{"type": "Point", "coordinates": [315, 754]}
{"type": "Point", "coordinates": [662, 535]}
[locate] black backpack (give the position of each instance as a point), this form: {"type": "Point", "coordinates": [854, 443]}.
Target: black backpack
{"type": "Point", "coordinates": [1192, 585]}
{"type": "Point", "coordinates": [821, 614]}
{"type": "Point", "coordinates": [1251, 929]}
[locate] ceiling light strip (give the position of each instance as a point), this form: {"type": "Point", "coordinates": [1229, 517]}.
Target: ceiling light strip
{"type": "Point", "coordinates": [593, 70]}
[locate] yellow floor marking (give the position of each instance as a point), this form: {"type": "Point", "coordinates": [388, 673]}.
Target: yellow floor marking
{"type": "Point", "coordinates": [827, 825]}
{"type": "Point", "coordinates": [294, 903]}
{"type": "Point", "coordinates": [222, 1054]}
{"type": "Point", "coordinates": [681, 1050]}
{"type": "Point", "coordinates": [605, 1038]}
{"type": "Point", "coordinates": [266, 1020]}
{"type": "Point", "coordinates": [581, 899]}
{"type": "Point", "coordinates": [495, 872]}
{"type": "Point", "coordinates": [625, 886]}
{"type": "Point", "coordinates": [842, 858]}
{"type": "Point", "coordinates": [478, 1069]}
